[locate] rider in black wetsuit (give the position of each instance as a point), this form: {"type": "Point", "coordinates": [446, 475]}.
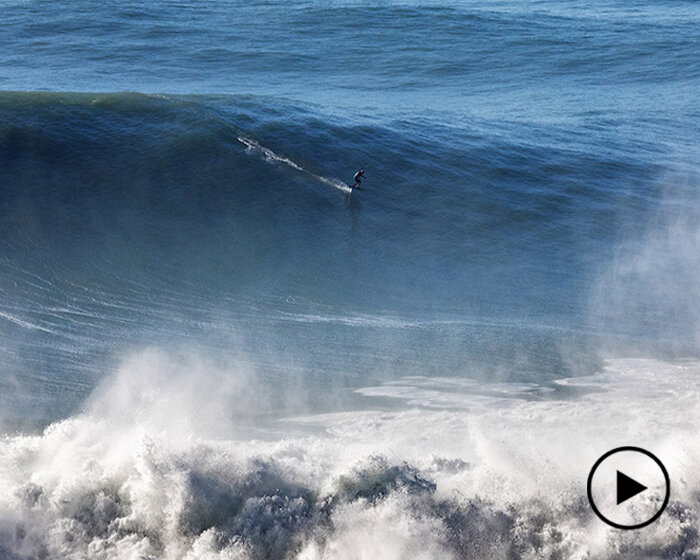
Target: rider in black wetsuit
{"type": "Point", "coordinates": [356, 177]}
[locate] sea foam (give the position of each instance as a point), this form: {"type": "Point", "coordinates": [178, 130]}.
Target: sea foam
{"type": "Point", "coordinates": [153, 467]}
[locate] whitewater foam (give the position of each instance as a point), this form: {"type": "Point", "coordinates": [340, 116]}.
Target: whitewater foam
{"type": "Point", "coordinates": [153, 468]}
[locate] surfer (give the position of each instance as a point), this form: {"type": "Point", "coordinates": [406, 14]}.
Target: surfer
{"type": "Point", "coordinates": [356, 177]}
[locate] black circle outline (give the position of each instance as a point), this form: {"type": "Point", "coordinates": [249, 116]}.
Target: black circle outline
{"type": "Point", "coordinates": [643, 452]}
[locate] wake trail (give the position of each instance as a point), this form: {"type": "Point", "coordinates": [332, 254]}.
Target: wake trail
{"type": "Point", "coordinates": [254, 146]}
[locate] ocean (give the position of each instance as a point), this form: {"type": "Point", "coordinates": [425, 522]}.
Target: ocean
{"type": "Point", "coordinates": [211, 348]}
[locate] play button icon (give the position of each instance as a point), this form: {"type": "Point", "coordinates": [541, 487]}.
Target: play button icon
{"type": "Point", "coordinates": [628, 488]}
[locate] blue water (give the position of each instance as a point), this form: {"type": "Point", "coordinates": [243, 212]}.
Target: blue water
{"type": "Point", "coordinates": [171, 181]}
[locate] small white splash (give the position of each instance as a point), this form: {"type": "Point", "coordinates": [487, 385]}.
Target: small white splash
{"type": "Point", "coordinates": [254, 146]}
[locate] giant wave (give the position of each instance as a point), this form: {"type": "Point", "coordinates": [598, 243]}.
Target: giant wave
{"type": "Point", "coordinates": [210, 351]}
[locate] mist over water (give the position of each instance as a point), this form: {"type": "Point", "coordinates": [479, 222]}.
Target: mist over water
{"type": "Point", "coordinates": [210, 349]}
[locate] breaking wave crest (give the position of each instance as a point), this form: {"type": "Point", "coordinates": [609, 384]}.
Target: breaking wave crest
{"type": "Point", "coordinates": [143, 473]}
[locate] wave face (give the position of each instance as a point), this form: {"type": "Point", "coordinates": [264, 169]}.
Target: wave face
{"type": "Point", "coordinates": [147, 219]}
{"type": "Point", "coordinates": [210, 349]}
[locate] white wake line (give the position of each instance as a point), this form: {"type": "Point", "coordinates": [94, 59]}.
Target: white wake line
{"type": "Point", "coordinates": [253, 146]}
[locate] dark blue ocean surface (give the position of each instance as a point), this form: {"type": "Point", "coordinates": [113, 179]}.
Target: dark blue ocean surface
{"type": "Point", "coordinates": [173, 177]}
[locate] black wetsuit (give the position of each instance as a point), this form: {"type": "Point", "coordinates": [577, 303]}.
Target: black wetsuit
{"type": "Point", "coordinates": [357, 176]}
